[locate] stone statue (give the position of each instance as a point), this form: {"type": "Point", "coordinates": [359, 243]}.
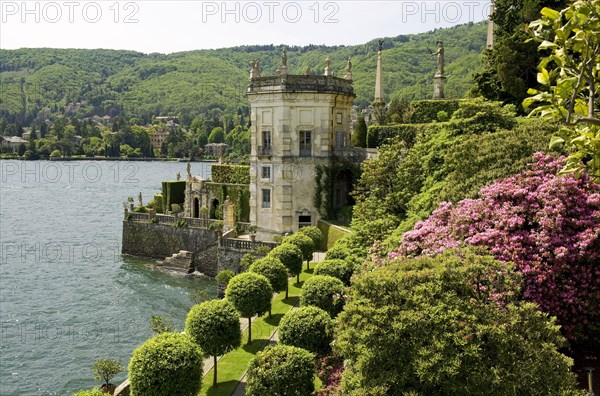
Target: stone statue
{"type": "Point", "coordinates": [188, 169]}
{"type": "Point", "coordinates": [440, 58]}
{"type": "Point", "coordinates": [348, 75]}
{"type": "Point", "coordinates": [178, 176]}
{"type": "Point", "coordinates": [328, 71]}
{"type": "Point", "coordinates": [255, 72]}
{"type": "Point", "coordinates": [380, 45]}
{"type": "Point", "coordinates": [308, 70]}
{"type": "Point", "coordinates": [140, 199]}
{"type": "Point", "coordinates": [284, 58]}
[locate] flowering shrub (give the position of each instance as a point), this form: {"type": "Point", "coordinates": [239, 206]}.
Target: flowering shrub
{"type": "Point", "coordinates": [329, 371]}
{"type": "Point", "coordinates": [548, 225]}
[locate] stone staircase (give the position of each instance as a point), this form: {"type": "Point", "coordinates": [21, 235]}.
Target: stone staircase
{"type": "Point", "coordinates": [181, 261]}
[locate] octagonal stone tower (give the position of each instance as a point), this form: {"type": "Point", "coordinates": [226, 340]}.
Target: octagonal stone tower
{"type": "Point", "coordinates": [298, 122]}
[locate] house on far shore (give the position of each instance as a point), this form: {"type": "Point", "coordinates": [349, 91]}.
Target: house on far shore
{"type": "Point", "coordinates": [13, 142]}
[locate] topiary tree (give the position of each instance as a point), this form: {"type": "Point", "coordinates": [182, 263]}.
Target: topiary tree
{"type": "Point", "coordinates": [309, 327]}
{"type": "Point", "coordinates": [315, 234]}
{"type": "Point", "coordinates": [290, 256]}
{"type": "Point", "coordinates": [166, 364]}
{"type": "Point", "coordinates": [215, 326]}
{"type": "Point", "coordinates": [251, 295]}
{"type": "Point", "coordinates": [324, 292]}
{"type": "Point", "coordinates": [281, 370]}
{"type": "Point", "coordinates": [448, 325]}
{"type": "Point", "coordinates": [106, 369]}
{"type": "Point", "coordinates": [337, 268]}
{"type": "Point", "coordinates": [304, 243]}
{"type": "Point", "coordinates": [272, 269]}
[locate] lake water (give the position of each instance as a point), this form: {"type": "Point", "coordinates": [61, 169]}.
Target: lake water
{"type": "Point", "coordinates": [67, 296]}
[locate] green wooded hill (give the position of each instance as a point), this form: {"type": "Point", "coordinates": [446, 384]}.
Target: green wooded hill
{"type": "Point", "coordinates": [35, 82]}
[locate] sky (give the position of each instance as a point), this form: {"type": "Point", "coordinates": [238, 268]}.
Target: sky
{"type": "Point", "coordinates": [173, 26]}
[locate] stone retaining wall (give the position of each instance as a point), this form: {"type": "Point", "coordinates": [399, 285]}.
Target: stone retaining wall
{"type": "Point", "coordinates": [159, 241]}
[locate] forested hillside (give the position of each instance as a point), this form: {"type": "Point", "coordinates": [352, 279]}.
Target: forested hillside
{"type": "Point", "coordinates": [36, 82]}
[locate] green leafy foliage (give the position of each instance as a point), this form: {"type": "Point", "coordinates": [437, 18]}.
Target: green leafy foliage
{"type": "Point", "coordinates": [310, 328]}
{"type": "Point", "coordinates": [173, 192]}
{"type": "Point", "coordinates": [303, 242]}
{"type": "Point", "coordinates": [359, 134]}
{"type": "Point", "coordinates": [89, 392]}
{"type": "Point", "coordinates": [166, 364]}
{"type": "Point", "coordinates": [281, 370]}
{"type": "Point", "coordinates": [448, 162]}
{"type": "Point", "coordinates": [162, 324]}
{"type": "Point", "coordinates": [106, 369]}
{"type": "Point", "coordinates": [213, 82]}
{"type": "Point", "coordinates": [215, 326]}
{"type": "Point", "coordinates": [509, 67]}
{"type": "Point", "coordinates": [272, 269]}
{"type": "Point", "coordinates": [290, 256]}
{"type": "Point", "coordinates": [251, 295]}
{"type": "Point", "coordinates": [315, 234]}
{"type": "Point", "coordinates": [224, 173]}
{"type": "Point", "coordinates": [569, 76]}
{"type": "Point", "coordinates": [448, 325]}
{"type": "Point", "coordinates": [324, 292]}
{"type": "Point", "coordinates": [338, 268]}
{"type": "Point", "coordinates": [223, 277]}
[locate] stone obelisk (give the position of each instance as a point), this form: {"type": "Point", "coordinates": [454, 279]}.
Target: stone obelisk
{"type": "Point", "coordinates": [378, 103]}
{"type": "Point", "coordinates": [490, 27]}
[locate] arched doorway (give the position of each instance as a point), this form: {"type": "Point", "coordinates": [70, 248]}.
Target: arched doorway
{"type": "Point", "coordinates": [215, 209]}
{"type": "Point", "coordinates": [196, 208]}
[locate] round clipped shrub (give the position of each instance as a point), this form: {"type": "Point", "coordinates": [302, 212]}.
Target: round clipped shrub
{"type": "Point", "coordinates": [251, 295]}
{"type": "Point", "coordinates": [272, 269]}
{"type": "Point", "coordinates": [324, 292]}
{"type": "Point", "coordinates": [166, 364]}
{"type": "Point", "coordinates": [281, 370]}
{"type": "Point", "coordinates": [290, 256]}
{"type": "Point", "coordinates": [337, 268]}
{"type": "Point", "coordinates": [307, 327]}
{"type": "Point", "coordinates": [337, 251]}
{"type": "Point", "coordinates": [215, 326]}
{"type": "Point", "coordinates": [304, 243]}
{"type": "Point", "coordinates": [315, 234]}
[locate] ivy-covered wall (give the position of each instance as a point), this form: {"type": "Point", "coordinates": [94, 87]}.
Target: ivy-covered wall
{"type": "Point", "coordinates": [233, 174]}
{"type": "Point", "coordinates": [239, 195]}
{"type": "Point", "coordinates": [326, 178]}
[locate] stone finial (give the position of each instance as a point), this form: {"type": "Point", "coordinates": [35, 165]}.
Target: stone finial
{"type": "Point", "coordinates": [348, 75]}
{"type": "Point", "coordinates": [178, 176]}
{"type": "Point", "coordinates": [440, 59]}
{"type": "Point", "coordinates": [140, 199]}
{"type": "Point", "coordinates": [284, 58]}
{"type": "Point", "coordinates": [255, 72]}
{"type": "Point", "coordinates": [188, 169]}
{"type": "Point", "coordinates": [308, 70]}
{"type": "Point", "coordinates": [328, 71]}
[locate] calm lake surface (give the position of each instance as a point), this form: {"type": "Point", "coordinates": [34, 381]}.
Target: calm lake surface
{"type": "Point", "coordinates": [67, 296]}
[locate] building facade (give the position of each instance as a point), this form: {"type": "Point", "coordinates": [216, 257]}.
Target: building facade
{"type": "Point", "coordinates": [298, 123]}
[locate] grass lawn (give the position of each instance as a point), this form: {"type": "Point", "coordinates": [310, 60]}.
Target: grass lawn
{"type": "Point", "coordinates": [232, 366]}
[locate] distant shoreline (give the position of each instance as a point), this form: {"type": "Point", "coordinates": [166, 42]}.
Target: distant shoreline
{"type": "Point", "coordinates": [109, 159]}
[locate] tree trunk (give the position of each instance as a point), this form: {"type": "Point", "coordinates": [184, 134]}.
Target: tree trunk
{"type": "Point", "coordinates": [298, 278]}
{"type": "Point", "coordinates": [249, 330]}
{"type": "Point", "coordinates": [215, 370]}
{"type": "Point", "coordinates": [307, 265]}
{"type": "Point", "coordinates": [287, 289]}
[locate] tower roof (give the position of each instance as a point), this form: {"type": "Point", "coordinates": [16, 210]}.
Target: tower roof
{"type": "Point", "coordinates": [301, 83]}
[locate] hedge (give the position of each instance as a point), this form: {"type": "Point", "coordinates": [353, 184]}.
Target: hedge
{"type": "Point", "coordinates": [338, 268]}
{"type": "Point", "coordinates": [425, 111]}
{"type": "Point", "coordinates": [173, 192]}
{"type": "Point", "coordinates": [234, 174]}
